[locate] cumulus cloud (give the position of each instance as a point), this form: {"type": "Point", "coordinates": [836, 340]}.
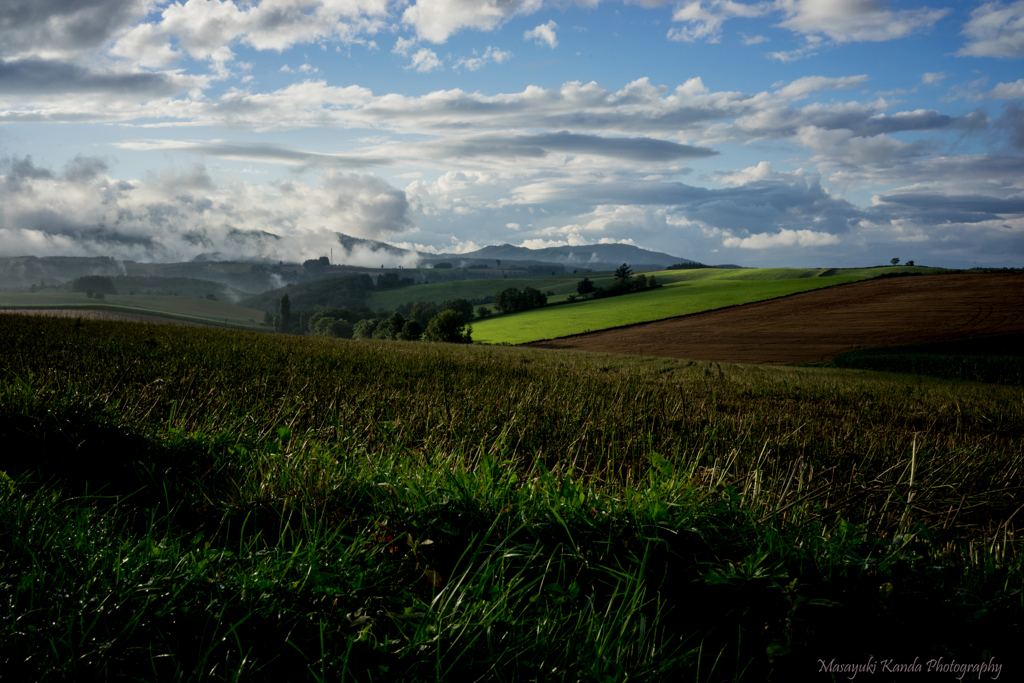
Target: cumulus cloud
{"type": "Point", "coordinates": [783, 238]}
{"type": "Point", "coordinates": [543, 35]}
{"type": "Point", "coordinates": [855, 20]}
{"type": "Point", "coordinates": [437, 20]}
{"type": "Point", "coordinates": [206, 29]}
{"type": "Point", "coordinates": [57, 29]}
{"type": "Point", "coordinates": [491, 54]}
{"type": "Point", "coordinates": [1008, 91]}
{"type": "Point", "coordinates": [995, 30]}
{"type": "Point", "coordinates": [424, 61]}
{"type": "Point", "coordinates": [933, 78]}
{"type": "Point", "coordinates": [178, 216]}
{"type": "Point", "coordinates": [704, 18]}
{"type": "Point", "coordinates": [751, 174]}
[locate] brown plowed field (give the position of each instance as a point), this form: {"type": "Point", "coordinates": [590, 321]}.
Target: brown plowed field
{"type": "Point", "coordinates": [815, 326]}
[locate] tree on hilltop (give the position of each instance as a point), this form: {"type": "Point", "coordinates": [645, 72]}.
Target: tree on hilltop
{"type": "Point", "coordinates": [623, 271]}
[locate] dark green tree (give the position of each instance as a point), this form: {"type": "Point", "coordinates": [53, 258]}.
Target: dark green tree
{"type": "Point", "coordinates": [623, 271]}
{"type": "Point", "coordinates": [585, 286]}
{"type": "Point", "coordinates": [411, 331]}
{"type": "Point", "coordinates": [533, 298]}
{"type": "Point", "coordinates": [395, 324]}
{"type": "Point", "coordinates": [449, 326]}
{"type": "Point", "coordinates": [422, 312]}
{"type": "Point", "coordinates": [463, 306]}
{"type": "Point", "coordinates": [364, 329]}
{"type": "Point", "coordinates": [507, 300]}
{"type": "Point", "coordinates": [286, 313]}
{"type": "Point", "coordinates": [894, 262]}
{"type": "Point", "coordinates": [333, 327]}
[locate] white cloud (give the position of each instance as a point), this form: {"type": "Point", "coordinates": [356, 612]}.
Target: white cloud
{"type": "Point", "coordinates": [847, 21]}
{"type": "Point", "coordinates": [57, 29]}
{"type": "Point", "coordinates": [1007, 91]}
{"type": "Point", "coordinates": [205, 29]}
{"type": "Point", "coordinates": [995, 30]}
{"type": "Point", "coordinates": [791, 55]}
{"type": "Point", "coordinates": [754, 40]}
{"type": "Point", "coordinates": [425, 60]}
{"type": "Point", "coordinates": [177, 216]}
{"type": "Point", "coordinates": [783, 238]}
{"type": "Point", "coordinates": [437, 20]}
{"type": "Point", "coordinates": [704, 18]}
{"type": "Point", "coordinates": [930, 78]}
{"type": "Point", "coordinates": [403, 46]}
{"type": "Point", "coordinates": [752, 174]}
{"type": "Point", "coordinates": [491, 54]}
{"type": "Point", "coordinates": [802, 87]}
{"type": "Point", "coordinates": [543, 34]}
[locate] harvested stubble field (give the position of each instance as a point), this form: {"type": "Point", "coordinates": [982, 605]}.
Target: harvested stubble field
{"type": "Point", "coordinates": [816, 326]}
{"type": "Point", "coordinates": [204, 504]}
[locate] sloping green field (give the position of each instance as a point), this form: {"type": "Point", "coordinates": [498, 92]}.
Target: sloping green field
{"type": "Point", "coordinates": [176, 307]}
{"type": "Point", "coordinates": [565, 285]}
{"type": "Point", "coordinates": [681, 297]}
{"type": "Point", "coordinates": [472, 289]}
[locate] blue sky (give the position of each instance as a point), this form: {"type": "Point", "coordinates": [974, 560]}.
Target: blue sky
{"type": "Point", "coordinates": [793, 132]}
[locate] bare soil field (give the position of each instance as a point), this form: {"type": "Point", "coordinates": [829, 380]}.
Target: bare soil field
{"type": "Point", "coordinates": [815, 326]}
{"type": "Point", "coordinates": [89, 314]}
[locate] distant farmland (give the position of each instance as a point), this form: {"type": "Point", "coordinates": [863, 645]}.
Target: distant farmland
{"type": "Point", "coordinates": [684, 292]}
{"type": "Point", "coordinates": [199, 311]}
{"type": "Point", "coordinates": [815, 326]}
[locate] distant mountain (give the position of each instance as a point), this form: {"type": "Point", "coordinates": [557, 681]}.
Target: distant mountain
{"type": "Point", "coordinates": [590, 255]}
{"type": "Point", "coordinates": [354, 243]}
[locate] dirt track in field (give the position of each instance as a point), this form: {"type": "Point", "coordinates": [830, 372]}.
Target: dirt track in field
{"type": "Point", "coordinates": [89, 314]}
{"type": "Point", "coordinates": [815, 326]}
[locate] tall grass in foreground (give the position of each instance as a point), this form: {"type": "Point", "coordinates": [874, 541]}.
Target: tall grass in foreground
{"type": "Point", "coordinates": [201, 504]}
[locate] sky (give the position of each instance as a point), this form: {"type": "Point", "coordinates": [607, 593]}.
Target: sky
{"type": "Point", "coordinates": [805, 133]}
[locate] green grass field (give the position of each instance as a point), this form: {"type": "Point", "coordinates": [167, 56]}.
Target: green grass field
{"type": "Point", "coordinates": [199, 504]}
{"type": "Point", "coordinates": [176, 307]}
{"type": "Point", "coordinates": [683, 296]}
{"type": "Point", "coordinates": [564, 285]}
{"type": "Point", "coordinates": [469, 289]}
